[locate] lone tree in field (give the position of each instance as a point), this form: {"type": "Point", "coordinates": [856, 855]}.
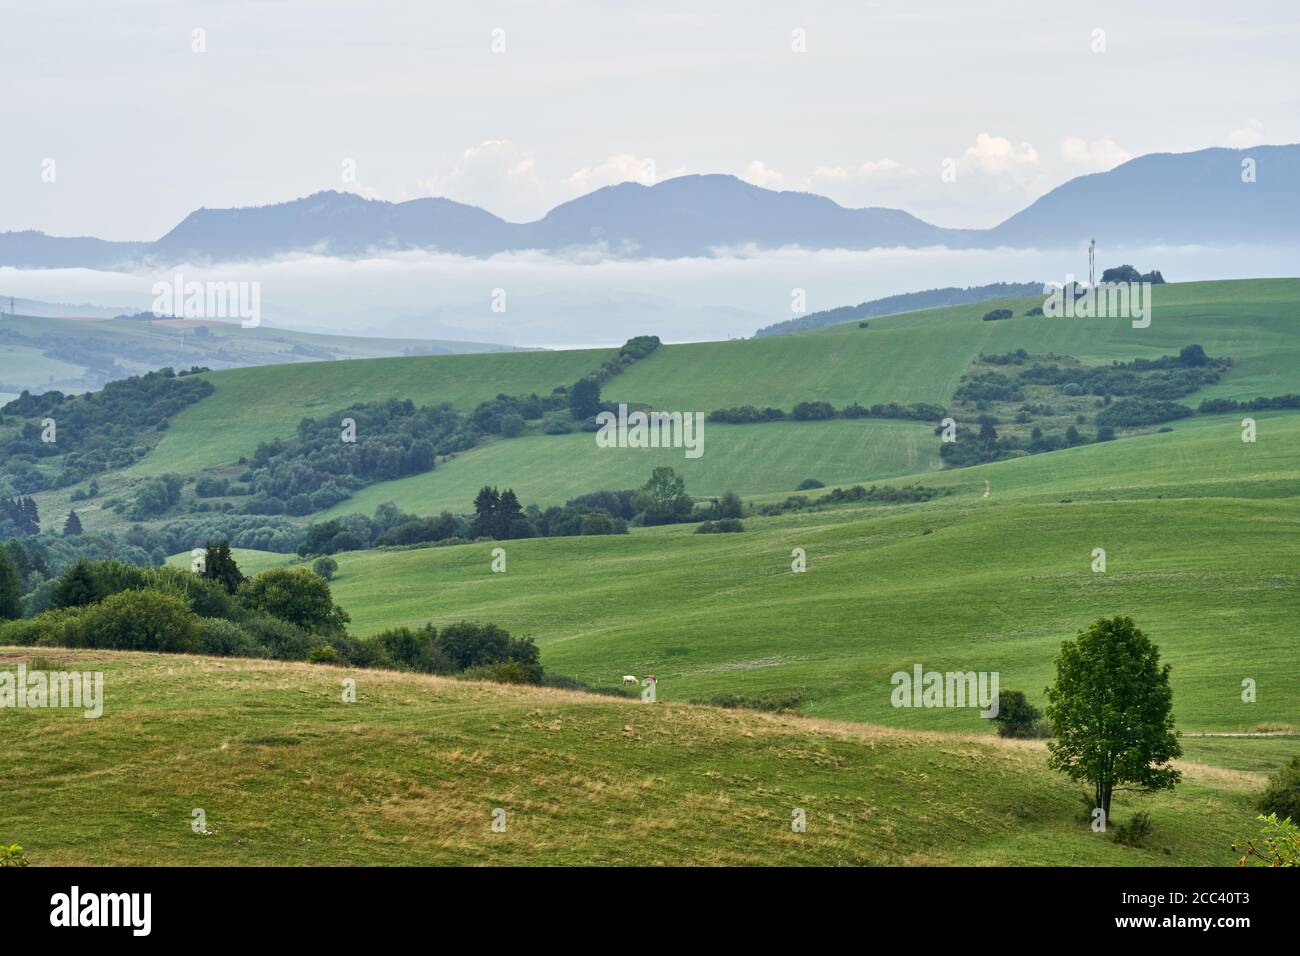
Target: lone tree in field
{"type": "Point", "coordinates": [1110, 712]}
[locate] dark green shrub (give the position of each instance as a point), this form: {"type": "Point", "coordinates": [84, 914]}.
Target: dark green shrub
{"type": "Point", "coordinates": [813, 411]}
{"type": "Point", "coordinates": [50, 629]}
{"type": "Point", "coordinates": [204, 596]}
{"type": "Point", "coordinates": [410, 649]}
{"type": "Point", "coordinates": [278, 638]}
{"type": "Point", "coordinates": [1283, 793]}
{"type": "Point", "coordinates": [1136, 831]}
{"type": "Point", "coordinates": [503, 672]}
{"type": "Point", "coordinates": [222, 638]}
{"type": "Point", "coordinates": [600, 523]}
{"type": "Point", "coordinates": [512, 425]}
{"type": "Point", "coordinates": [323, 654]}
{"type": "Point", "coordinates": [1135, 412]}
{"type": "Point", "coordinates": [1018, 718]}
{"type": "Point", "coordinates": [723, 526]}
{"type": "Point", "coordinates": [139, 621]}
{"type": "Point", "coordinates": [296, 595]}
{"type": "Point", "coordinates": [774, 701]}
{"type": "Point", "coordinates": [326, 568]}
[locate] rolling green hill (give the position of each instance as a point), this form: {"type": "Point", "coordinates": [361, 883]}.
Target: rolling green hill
{"type": "Point", "coordinates": [919, 356]}
{"type": "Point", "coordinates": [249, 406]}
{"type": "Point", "coordinates": [550, 469]}
{"type": "Point", "coordinates": [984, 586]}
{"type": "Point", "coordinates": [1199, 529]}
{"type": "Point", "coordinates": [1200, 457]}
{"type": "Point", "coordinates": [77, 355]}
{"type": "Point", "coordinates": [286, 773]}
{"type": "Point", "coordinates": [913, 357]}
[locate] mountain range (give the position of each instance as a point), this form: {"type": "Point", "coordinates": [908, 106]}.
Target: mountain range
{"type": "Point", "coordinates": [1211, 196]}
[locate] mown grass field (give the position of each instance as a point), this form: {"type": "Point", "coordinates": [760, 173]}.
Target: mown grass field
{"type": "Point", "coordinates": [777, 456]}
{"type": "Point", "coordinates": [1201, 457]}
{"type": "Point", "coordinates": [287, 773]}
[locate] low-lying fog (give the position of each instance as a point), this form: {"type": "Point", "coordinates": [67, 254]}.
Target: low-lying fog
{"type": "Point", "coordinates": [535, 299]}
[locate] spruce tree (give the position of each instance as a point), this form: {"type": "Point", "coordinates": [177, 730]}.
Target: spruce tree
{"type": "Point", "coordinates": [11, 588]}
{"type": "Point", "coordinates": [76, 587]}
{"type": "Point", "coordinates": [485, 512]}
{"type": "Point", "coordinates": [219, 565]}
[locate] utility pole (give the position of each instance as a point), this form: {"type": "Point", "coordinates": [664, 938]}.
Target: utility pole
{"type": "Point", "coordinates": [1092, 262]}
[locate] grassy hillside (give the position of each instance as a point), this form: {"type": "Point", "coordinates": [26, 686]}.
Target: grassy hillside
{"type": "Point", "coordinates": [550, 469]}
{"type": "Point", "coordinates": [984, 586]}
{"type": "Point", "coordinates": [76, 355]}
{"type": "Point", "coordinates": [250, 562]}
{"type": "Point", "coordinates": [410, 774]}
{"type": "Point", "coordinates": [252, 406]}
{"type": "Point", "coordinates": [1200, 457]}
{"type": "Point", "coordinates": [1194, 522]}
{"type": "Point", "coordinates": [1199, 530]}
{"type": "Point", "coordinates": [919, 356]}
{"type": "Point", "coordinates": [914, 357]}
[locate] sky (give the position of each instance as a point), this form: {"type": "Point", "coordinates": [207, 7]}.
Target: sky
{"type": "Point", "coordinates": [121, 118]}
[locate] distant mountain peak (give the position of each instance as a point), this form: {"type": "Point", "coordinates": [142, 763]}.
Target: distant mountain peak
{"type": "Point", "coordinates": [1201, 197]}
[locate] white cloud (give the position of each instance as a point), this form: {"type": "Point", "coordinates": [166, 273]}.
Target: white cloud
{"type": "Point", "coordinates": [504, 178]}
{"type": "Point", "coordinates": [884, 169]}
{"type": "Point", "coordinates": [998, 156]}
{"type": "Point", "coordinates": [824, 175]}
{"type": "Point", "coordinates": [760, 175]}
{"type": "Point", "coordinates": [1252, 134]}
{"type": "Point", "coordinates": [857, 185]}
{"type": "Point", "coordinates": [1098, 156]}
{"type": "Point", "coordinates": [494, 174]}
{"type": "Point", "coordinates": [621, 168]}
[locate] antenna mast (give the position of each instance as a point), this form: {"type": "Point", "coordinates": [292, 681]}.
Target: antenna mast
{"type": "Point", "coordinates": [1092, 262]}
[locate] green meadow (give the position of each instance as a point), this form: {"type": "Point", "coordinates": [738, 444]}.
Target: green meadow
{"type": "Point", "coordinates": [1200, 530]}
{"type": "Point", "coordinates": [253, 405]}
{"type": "Point", "coordinates": [771, 457]}
{"type": "Point", "coordinates": [911, 357]}
{"type": "Point", "coordinates": [985, 586]}
{"type": "Point", "coordinates": [286, 773]}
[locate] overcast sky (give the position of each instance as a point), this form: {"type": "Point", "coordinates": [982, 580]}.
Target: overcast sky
{"type": "Point", "coordinates": [142, 129]}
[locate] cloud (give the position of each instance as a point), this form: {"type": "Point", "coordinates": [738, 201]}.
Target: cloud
{"type": "Point", "coordinates": [1098, 156]}
{"type": "Point", "coordinates": [621, 168]}
{"type": "Point", "coordinates": [1252, 134]}
{"type": "Point", "coordinates": [493, 174]}
{"type": "Point", "coordinates": [504, 178]}
{"type": "Point", "coordinates": [866, 184]}
{"type": "Point", "coordinates": [997, 156]}
{"type": "Point", "coordinates": [884, 169]}
{"type": "Point", "coordinates": [760, 175]}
